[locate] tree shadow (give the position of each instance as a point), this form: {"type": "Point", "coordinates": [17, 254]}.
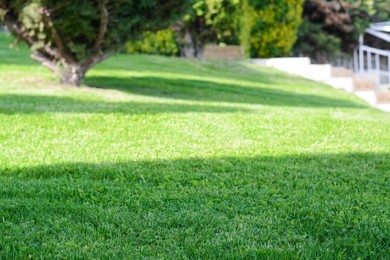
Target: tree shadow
{"type": "Point", "coordinates": [244, 205]}
{"type": "Point", "coordinates": [223, 69]}
{"type": "Point", "coordinates": [204, 90]}
{"type": "Point", "coordinates": [35, 104]}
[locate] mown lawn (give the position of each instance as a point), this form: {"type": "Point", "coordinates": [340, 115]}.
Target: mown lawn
{"type": "Point", "coordinates": [171, 158]}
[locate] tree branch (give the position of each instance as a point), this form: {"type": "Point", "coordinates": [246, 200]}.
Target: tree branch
{"type": "Point", "coordinates": [51, 51]}
{"type": "Point", "coordinates": [15, 27]}
{"type": "Point", "coordinates": [166, 4]}
{"type": "Point", "coordinates": [103, 23]}
{"type": "Point", "coordinates": [45, 61]}
{"type": "Point", "coordinates": [97, 58]}
{"type": "Point", "coordinates": [56, 37]}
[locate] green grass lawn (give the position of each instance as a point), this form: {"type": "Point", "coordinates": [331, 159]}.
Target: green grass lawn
{"type": "Point", "coordinates": [172, 158]}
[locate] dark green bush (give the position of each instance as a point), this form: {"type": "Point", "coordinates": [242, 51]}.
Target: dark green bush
{"type": "Point", "coordinates": [331, 28]}
{"type": "Point", "coordinates": [316, 43]}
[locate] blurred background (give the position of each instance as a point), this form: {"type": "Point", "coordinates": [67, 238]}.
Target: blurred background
{"type": "Point", "coordinates": [325, 31]}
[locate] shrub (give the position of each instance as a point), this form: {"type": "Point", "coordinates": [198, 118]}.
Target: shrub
{"type": "Point", "coordinates": [161, 42]}
{"type": "Point", "coordinates": [273, 26]}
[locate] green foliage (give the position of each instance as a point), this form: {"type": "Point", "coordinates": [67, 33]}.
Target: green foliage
{"type": "Point", "coordinates": [162, 42]}
{"type": "Point", "coordinates": [210, 21]}
{"type": "Point", "coordinates": [331, 28]}
{"type": "Point", "coordinates": [274, 25]}
{"type": "Point", "coordinates": [381, 11]}
{"type": "Point", "coordinates": [316, 43]}
{"type": "Point", "coordinates": [214, 20]}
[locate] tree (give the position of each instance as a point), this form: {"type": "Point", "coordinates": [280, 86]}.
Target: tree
{"type": "Point", "coordinates": [208, 21]}
{"type": "Point", "coordinates": [380, 10]}
{"type": "Point", "coordinates": [70, 36]}
{"type": "Point", "coordinates": [315, 43]}
{"type": "Point", "coordinates": [330, 27]}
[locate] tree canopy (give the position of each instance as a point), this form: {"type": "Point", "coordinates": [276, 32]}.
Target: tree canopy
{"type": "Point", "coordinates": [331, 28]}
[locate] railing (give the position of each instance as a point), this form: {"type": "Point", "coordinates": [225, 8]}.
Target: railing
{"type": "Point", "coordinates": [373, 61]}
{"type": "Point", "coordinates": [341, 60]}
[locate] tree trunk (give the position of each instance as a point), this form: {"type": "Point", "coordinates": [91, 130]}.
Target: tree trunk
{"type": "Point", "coordinates": [200, 51]}
{"type": "Point", "coordinates": [72, 75]}
{"type": "Point", "coordinates": [188, 49]}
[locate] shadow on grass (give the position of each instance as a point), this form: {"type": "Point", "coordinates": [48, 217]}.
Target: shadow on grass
{"type": "Point", "coordinates": [15, 104]}
{"type": "Point", "coordinates": [200, 90]}
{"type": "Point", "coordinates": [294, 205]}
{"type": "Point", "coordinates": [223, 69]}
{"type": "Point", "coordinates": [321, 167]}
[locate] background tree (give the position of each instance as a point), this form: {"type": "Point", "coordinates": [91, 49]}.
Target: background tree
{"type": "Point", "coordinates": [262, 28]}
{"type": "Point", "coordinates": [379, 11]}
{"type": "Point", "coordinates": [208, 21]}
{"type": "Point", "coordinates": [70, 36]}
{"type": "Point", "coordinates": [330, 27]}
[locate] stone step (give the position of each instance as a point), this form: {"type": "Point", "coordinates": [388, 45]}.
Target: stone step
{"type": "Point", "coordinates": [284, 62]}
{"type": "Point", "coordinates": [369, 76]}
{"type": "Point", "coordinates": [298, 66]}
{"type": "Point", "coordinates": [366, 85]}
{"type": "Point", "coordinates": [384, 107]}
{"type": "Point", "coordinates": [340, 72]}
{"type": "Point", "coordinates": [370, 96]}
{"type": "Point", "coordinates": [345, 83]}
{"type": "Point", "coordinates": [383, 87]}
{"type": "Point", "coordinates": [313, 72]}
{"type": "Point", "coordinates": [363, 84]}
{"type": "Point", "coordinates": [383, 97]}
{"type": "Point", "coordinates": [319, 72]}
